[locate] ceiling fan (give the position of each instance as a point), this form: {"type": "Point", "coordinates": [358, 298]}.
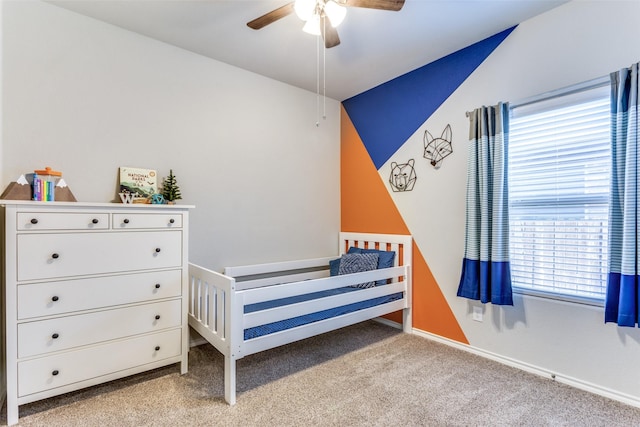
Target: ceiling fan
{"type": "Point", "coordinates": [316, 13]}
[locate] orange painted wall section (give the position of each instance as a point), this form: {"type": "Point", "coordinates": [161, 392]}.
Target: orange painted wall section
{"type": "Point", "coordinates": [366, 206]}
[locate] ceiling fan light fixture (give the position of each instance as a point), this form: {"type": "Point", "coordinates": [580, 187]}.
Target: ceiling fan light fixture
{"type": "Point", "coordinates": [335, 12]}
{"type": "Point", "coordinates": [312, 26]}
{"type": "Point", "coordinates": [304, 8]}
{"type": "Point", "coordinates": [315, 13]}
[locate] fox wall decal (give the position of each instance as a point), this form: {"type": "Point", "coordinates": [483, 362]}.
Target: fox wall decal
{"type": "Point", "coordinates": [436, 149]}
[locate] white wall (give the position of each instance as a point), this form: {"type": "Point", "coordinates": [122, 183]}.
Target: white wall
{"type": "Point", "coordinates": [85, 97]}
{"type": "Point", "coordinates": [576, 42]}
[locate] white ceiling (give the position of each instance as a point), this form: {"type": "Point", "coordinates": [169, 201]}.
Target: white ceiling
{"type": "Point", "coordinates": [376, 46]}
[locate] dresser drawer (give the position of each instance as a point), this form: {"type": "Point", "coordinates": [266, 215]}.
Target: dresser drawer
{"type": "Point", "coordinates": [46, 336]}
{"type": "Point", "coordinates": [45, 256]}
{"type": "Point", "coordinates": [37, 299]}
{"type": "Point", "coordinates": [146, 221]}
{"type": "Point", "coordinates": [65, 368]}
{"type": "Point", "coordinates": [62, 221]}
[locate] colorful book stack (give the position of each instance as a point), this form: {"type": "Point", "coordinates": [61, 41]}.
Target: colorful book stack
{"type": "Point", "coordinates": [44, 185]}
{"type": "Point", "coordinates": [43, 190]}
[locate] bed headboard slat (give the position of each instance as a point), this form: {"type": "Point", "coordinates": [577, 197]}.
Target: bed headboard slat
{"type": "Point", "coordinates": [401, 244]}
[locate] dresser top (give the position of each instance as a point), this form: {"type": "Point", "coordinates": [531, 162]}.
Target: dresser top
{"type": "Point", "coordinates": [80, 205]}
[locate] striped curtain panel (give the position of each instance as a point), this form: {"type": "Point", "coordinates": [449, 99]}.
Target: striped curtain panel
{"type": "Point", "coordinates": [621, 302]}
{"type": "Point", "coordinates": [486, 274]}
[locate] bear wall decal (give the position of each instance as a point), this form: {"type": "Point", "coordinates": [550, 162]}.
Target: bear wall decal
{"type": "Point", "coordinates": [436, 149]}
{"type": "Point", "coordinates": [403, 176]}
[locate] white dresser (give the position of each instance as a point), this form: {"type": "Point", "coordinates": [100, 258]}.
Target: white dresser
{"type": "Point", "coordinates": [91, 293]}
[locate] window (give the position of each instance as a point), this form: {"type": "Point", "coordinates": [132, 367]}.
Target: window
{"type": "Point", "coordinates": [559, 164]}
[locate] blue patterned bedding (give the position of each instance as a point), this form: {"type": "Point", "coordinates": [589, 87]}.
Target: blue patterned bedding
{"type": "Point", "coordinates": [282, 325]}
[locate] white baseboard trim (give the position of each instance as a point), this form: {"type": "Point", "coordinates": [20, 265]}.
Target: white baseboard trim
{"type": "Point", "coordinates": [195, 339]}
{"type": "Point", "coordinates": [194, 342]}
{"type": "Point", "coordinates": [388, 322]}
{"type": "Point", "coordinates": [554, 376]}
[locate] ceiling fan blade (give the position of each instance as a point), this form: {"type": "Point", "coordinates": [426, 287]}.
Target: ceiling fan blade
{"type": "Point", "coordinates": [329, 34]}
{"type": "Point", "coordinates": [394, 5]}
{"type": "Point", "coordinates": [271, 17]}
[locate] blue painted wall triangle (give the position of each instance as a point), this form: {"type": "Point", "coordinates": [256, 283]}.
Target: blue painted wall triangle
{"type": "Point", "coordinates": [387, 115]}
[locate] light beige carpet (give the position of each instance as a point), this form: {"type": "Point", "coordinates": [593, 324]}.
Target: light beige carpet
{"type": "Point", "coordinates": [364, 375]}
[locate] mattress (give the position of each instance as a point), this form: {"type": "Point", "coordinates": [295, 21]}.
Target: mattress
{"type": "Point", "coordinates": [282, 325]}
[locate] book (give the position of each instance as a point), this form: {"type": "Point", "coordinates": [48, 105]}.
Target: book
{"type": "Point", "coordinates": [138, 181]}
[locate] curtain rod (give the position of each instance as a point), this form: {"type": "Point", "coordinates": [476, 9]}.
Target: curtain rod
{"type": "Point", "coordinates": [589, 84]}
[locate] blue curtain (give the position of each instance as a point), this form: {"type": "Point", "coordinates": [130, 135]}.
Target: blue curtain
{"type": "Point", "coordinates": [622, 299]}
{"type": "Point", "coordinates": [486, 273]}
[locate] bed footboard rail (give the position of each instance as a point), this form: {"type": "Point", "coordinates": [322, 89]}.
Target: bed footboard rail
{"type": "Point", "coordinates": [211, 297]}
{"type": "Point", "coordinates": [215, 312]}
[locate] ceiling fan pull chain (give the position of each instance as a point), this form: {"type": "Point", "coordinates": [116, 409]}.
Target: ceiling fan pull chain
{"type": "Point", "coordinates": [317, 81]}
{"type": "Point", "coordinates": [324, 79]}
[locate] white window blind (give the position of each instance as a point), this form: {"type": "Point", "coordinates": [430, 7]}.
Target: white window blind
{"type": "Point", "coordinates": [559, 163]}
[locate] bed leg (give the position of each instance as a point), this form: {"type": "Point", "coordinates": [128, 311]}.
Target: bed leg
{"type": "Point", "coordinates": [230, 380]}
{"type": "Point", "coordinates": [407, 326]}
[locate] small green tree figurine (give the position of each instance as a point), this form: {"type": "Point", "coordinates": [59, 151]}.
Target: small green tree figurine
{"type": "Point", "coordinates": [170, 189]}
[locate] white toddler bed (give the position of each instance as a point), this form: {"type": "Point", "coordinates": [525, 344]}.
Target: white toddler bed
{"type": "Point", "coordinates": [254, 308]}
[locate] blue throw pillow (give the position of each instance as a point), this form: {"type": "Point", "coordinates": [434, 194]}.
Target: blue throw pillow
{"type": "Point", "coordinates": [385, 258]}
{"type": "Point", "coordinates": [356, 263]}
{"type": "Point", "coordinates": [334, 266]}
